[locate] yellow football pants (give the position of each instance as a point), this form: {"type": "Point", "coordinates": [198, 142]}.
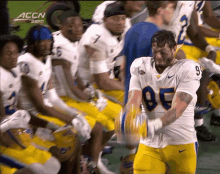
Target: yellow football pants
{"type": "Point", "coordinates": [194, 53]}
{"type": "Point", "coordinates": [106, 117]}
{"type": "Point", "coordinates": [44, 144]}
{"type": "Point", "coordinates": [7, 170]}
{"type": "Point", "coordinates": [27, 156]}
{"type": "Point", "coordinates": [177, 159]}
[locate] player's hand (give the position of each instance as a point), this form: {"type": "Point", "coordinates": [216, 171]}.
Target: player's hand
{"type": "Point", "coordinates": [82, 127]}
{"type": "Point", "coordinates": [209, 65]}
{"type": "Point", "coordinates": [101, 102]}
{"type": "Point", "coordinates": [90, 90]}
{"type": "Point", "coordinates": [19, 119]}
{"type": "Point", "coordinates": [212, 55]}
{"type": "Point", "coordinates": [153, 126]}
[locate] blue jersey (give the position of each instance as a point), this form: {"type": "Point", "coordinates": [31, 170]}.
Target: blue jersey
{"type": "Point", "coordinates": [137, 44]}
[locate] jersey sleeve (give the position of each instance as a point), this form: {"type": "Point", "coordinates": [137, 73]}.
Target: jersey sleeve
{"type": "Point", "coordinates": [28, 69]}
{"type": "Point", "coordinates": [94, 39]}
{"type": "Point", "coordinates": [62, 52]}
{"type": "Point", "coordinates": [134, 81]}
{"type": "Point", "coordinates": [190, 78]}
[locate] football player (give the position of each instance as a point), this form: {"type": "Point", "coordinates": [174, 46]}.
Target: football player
{"type": "Point", "coordinates": [212, 35]}
{"type": "Point", "coordinates": [138, 37]}
{"type": "Point", "coordinates": [15, 132]}
{"type": "Point", "coordinates": [167, 89]}
{"type": "Point", "coordinates": [130, 7]}
{"type": "Point", "coordinates": [67, 82]}
{"type": "Point", "coordinates": [184, 22]}
{"type": "Point", "coordinates": [39, 96]}
{"type": "Point", "coordinates": [99, 49]}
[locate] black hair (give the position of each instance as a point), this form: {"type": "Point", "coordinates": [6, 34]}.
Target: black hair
{"type": "Point", "coordinates": [163, 37]}
{"type": "Point", "coordinates": [67, 14]}
{"type": "Point", "coordinates": [30, 40]}
{"type": "Point", "coordinates": [4, 39]}
{"type": "Point", "coordinates": [153, 6]}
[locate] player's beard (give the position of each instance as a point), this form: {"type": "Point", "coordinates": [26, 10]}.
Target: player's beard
{"type": "Point", "coordinates": [165, 63]}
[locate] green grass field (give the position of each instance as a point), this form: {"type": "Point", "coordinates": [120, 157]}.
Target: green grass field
{"type": "Point", "coordinates": [18, 7]}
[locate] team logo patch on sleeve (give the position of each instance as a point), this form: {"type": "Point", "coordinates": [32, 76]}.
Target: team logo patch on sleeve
{"type": "Point", "coordinates": [24, 68]}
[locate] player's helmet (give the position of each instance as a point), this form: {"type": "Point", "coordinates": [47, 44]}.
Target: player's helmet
{"type": "Point", "coordinates": [130, 125]}
{"type": "Point", "coordinates": [214, 91]}
{"type": "Point", "coordinates": [127, 163]}
{"type": "Point", "coordinates": [21, 138]}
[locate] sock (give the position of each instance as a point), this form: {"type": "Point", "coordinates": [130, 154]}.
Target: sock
{"type": "Point", "coordinates": [199, 122]}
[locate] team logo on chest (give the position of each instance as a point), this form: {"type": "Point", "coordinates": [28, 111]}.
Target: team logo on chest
{"type": "Point", "coordinates": [10, 86]}
{"type": "Point", "coordinates": [158, 76]}
{"type": "Point", "coordinates": [40, 73]}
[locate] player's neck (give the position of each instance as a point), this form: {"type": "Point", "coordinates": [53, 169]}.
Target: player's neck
{"type": "Point", "coordinates": [156, 20]}
{"type": "Point", "coordinates": [160, 70]}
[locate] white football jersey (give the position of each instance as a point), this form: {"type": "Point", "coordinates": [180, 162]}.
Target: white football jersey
{"type": "Point", "coordinates": [98, 37]}
{"type": "Point", "coordinates": [181, 20]}
{"type": "Point", "coordinates": [199, 9]}
{"type": "Point", "coordinates": [37, 70]}
{"type": "Point", "coordinates": [64, 49]}
{"type": "Point", "coordinates": [10, 84]}
{"type": "Point", "coordinates": [98, 15]}
{"type": "Point", "coordinates": [158, 91]}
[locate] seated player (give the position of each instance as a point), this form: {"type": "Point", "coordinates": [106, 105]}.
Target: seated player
{"type": "Point", "coordinates": [67, 82]}
{"type": "Point", "coordinates": [186, 13]}
{"type": "Point", "coordinates": [15, 132]}
{"type": "Point", "coordinates": [66, 44]}
{"type": "Point", "coordinates": [40, 96]}
{"type": "Point", "coordinates": [211, 33]}
{"type": "Point", "coordinates": [167, 89]}
{"type": "Point", "coordinates": [99, 49]}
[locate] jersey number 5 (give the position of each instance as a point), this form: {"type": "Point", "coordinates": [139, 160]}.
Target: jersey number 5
{"type": "Point", "coordinates": [152, 103]}
{"type": "Point", "coordinates": [184, 21]}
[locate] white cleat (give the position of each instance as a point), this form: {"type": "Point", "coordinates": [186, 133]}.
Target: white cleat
{"type": "Point", "coordinates": [209, 65]}
{"type": "Point", "coordinates": [102, 168]}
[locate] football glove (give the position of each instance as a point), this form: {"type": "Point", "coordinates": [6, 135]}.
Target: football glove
{"type": "Point", "coordinates": [209, 65]}
{"type": "Point", "coordinates": [82, 127]}
{"type": "Point", "coordinates": [19, 119]}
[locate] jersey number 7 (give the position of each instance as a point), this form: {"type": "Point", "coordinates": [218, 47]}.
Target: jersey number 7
{"type": "Point", "coordinates": [152, 103]}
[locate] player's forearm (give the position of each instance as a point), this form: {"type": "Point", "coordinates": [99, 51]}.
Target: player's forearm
{"type": "Point", "coordinates": [213, 22]}
{"type": "Point", "coordinates": [79, 93]}
{"type": "Point", "coordinates": [198, 41]}
{"type": "Point", "coordinates": [206, 32]}
{"type": "Point", "coordinates": [110, 84]}
{"type": "Point", "coordinates": [169, 117]}
{"type": "Point", "coordinates": [180, 102]}
{"type": "Point", "coordinates": [49, 111]}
